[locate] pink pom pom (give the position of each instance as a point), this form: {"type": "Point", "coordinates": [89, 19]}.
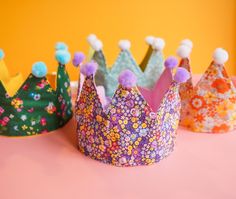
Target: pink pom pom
{"type": "Point", "coordinates": [89, 68]}
{"type": "Point", "coordinates": [181, 75]}
{"type": "Point", "coordinates": [78, 58]}
{"type": "Point", "coordinates": [171, 62]}
{"type": "Point", "coordinates": [127, 79]}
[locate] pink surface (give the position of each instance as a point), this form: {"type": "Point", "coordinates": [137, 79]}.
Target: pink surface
{"type": "Point", "coordinates": [49, 166]}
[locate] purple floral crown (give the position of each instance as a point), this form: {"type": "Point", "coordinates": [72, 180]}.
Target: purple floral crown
{"type": "Point", "coordinates": [138, 126]}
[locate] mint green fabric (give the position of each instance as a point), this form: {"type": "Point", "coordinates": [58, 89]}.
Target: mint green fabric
{"type": "Point", "coordinates": [36, 108]}
{"type": "Point", "coordinates": [107, 77]}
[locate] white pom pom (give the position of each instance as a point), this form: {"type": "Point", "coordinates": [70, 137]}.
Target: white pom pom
{"type": "Point", "coordinates": [184, 51]}
{"type": "Point", "coordinates": [220, 56]}
{"type": "Point", "coordinates": [158, 44]}
{"type": "Point", "coordinates": [187, 42]}
{"type": "Point", "coordinates": [124, 44]}
{"type": "Point", "coordinates": [91, 38]}
{"type": "Point", "coordinates": [149, 40]}
{"type": "Point", "coordinates": [97, 45]}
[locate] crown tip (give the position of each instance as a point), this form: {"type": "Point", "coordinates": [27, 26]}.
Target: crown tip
{"type": "Point", "coordinates": [181, 75]}
{"type": "Point", "coordinates": [187, 42]}
{"type": "Point", "coordinates": [61, 46]}
{"type": "Point", "coordinates": [220, 56]}
{"type": "Point", "coordinates": [149, 39]}
{"type": "Point", "coordinates": [124, 44]}
{"type": "Point", "coordinates": [184, 51]}
{"type": "Point", "coordinates": [91, 38]}
{"type": "Point", "coordinates": [62, 56]}
{"type": "Point", "coordinates": [78, 58]}
{"type": "Point", "coordinates": [89, 68]}
{"type": "Point", "coordinates": [158, 43]}
{"type": "Point", "coordinates": [127, 79]}
{"type": "Point", "coordinates": [97, 45]}
{"type": "Point", "coordinates": [171, 62]}
{"type": "Point", "coordinates": [2, 54]}
{"type": "Point", "coordinates": [39, 69]}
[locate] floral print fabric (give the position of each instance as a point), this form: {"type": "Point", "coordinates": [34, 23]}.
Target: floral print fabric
{"type": "Point", "coordinates": [36, 108]}
{"type": "Point", "coordinates": [211, 105]}
{"type": "Point", "coordinates": [128, 132]}
{"type": "Point", "coordinates": [107, 77]}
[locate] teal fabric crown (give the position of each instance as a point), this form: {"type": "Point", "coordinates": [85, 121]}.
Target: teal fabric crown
{"type": "Point", "coordinates": [36, 107]}
{"type": "Point", "coordinates": [147, 73]}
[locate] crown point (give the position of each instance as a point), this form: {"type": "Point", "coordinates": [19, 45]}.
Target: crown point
{"type": "Point", "coordinates": [2, 54]}
{"type": "Point", "coordinates": [39, 69]}
{"type": "Point", "coordinates": [89, 68]}
{"type": "Point", "coordinates": [158, 44]}
{"type": "Point", "coordinates": [171, 62]}
{"type": "Point", "coordinates": [149, 40]}
{"type": "Point", "coordinates": [127, 79]}
{"type": "Point", "coordinates": [124, 44]}
{"type": "Point", "coordinates": [187, 42]}
{"type": "Point", "coordinates": [184, 51]}
{"type": "Point", "coordinates": [62, 56]}
{"type": "Point", "coordinates": [61, 46]}
{"type": "Point", "coordinates": [181, 75]}
{"type": "Point", "coordinates": [78, 58]}
{"type": "Point", "coordinates": [91, 38]}
{"type": "Point", "coordinates": [97, 44]}
{"type": "Point", "coordinates": [220, 56]}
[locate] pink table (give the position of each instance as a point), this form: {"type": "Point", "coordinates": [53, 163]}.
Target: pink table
{"type": "Point", "coordinates": [50, 166]}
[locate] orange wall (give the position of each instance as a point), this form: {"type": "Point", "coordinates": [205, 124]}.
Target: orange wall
{"type": "Point", "coordinates": [30, 28]}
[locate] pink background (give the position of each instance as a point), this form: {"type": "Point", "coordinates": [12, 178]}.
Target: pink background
{"type": "Point", "coordinates": [203, 166]}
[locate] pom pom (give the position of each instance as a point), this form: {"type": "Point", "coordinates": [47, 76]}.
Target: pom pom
{"type": "Point", "coordinates": [89, 68]}
{"type": "Point", "coordinates": [124, 44]}
{"type": "Point", "coordinates": [78, 58]}
{"type": "Point", "coordinates": [149, 40]}
{"type": "Point", "coordinates": [91, 38]}
{"type": "Point", "coordinates": [61, 46]}
{"type": "Point", "coordinates": [187, 42]}
{"type": "Point", "coordinates": [1, 54]}
{"type": "Point", "coordinates": [39, 69]}
{"type": "Point", "coordinates": [127, 79]}
{"type": "Point", "coordinates": [158, 44]}
{"type": "Point", "coordinates": [181, 75]}
{"type": "Point", "coordinates": [62, 56]}
{"type": "Point", "coordinates": [171, 62]}
{"type": "Point", "coordinates": [220, 56]}
{"type": "Point", "coordinates": [97, 45]}
{"type": "Point", "coordinates": [184, 51]}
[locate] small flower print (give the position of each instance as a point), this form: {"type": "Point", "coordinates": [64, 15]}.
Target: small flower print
{"type": "Point", "coordinates": [51, 108]}
{"type": "Point", "coordinates": [17, 103]}
{"type": "Point", "coordinates": [1, 110]}
{"type": "Point", "coordinates": [24, 127]}
{"type": "Point", "coordinates": [220, 129]}
{"type": "Point", "coordinates": [221, 85]}
{"type": "Point", "coordinates": [43, 121]}
{"type": "Point", "coordinates": [197, 102]}
{"type": "Point", "coordinates": [25, 87]}
{"type": "Point", "coordinates": [23, 117]}
{"type": "Point", "coordinates": [37, 97]}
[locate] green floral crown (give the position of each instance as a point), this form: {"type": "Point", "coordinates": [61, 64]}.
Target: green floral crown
{"type": "Point", "coordinates": [36, 107]}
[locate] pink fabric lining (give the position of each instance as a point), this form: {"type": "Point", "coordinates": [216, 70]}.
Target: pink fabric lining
{"type": "Point", "coordinates": [155, 95]}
